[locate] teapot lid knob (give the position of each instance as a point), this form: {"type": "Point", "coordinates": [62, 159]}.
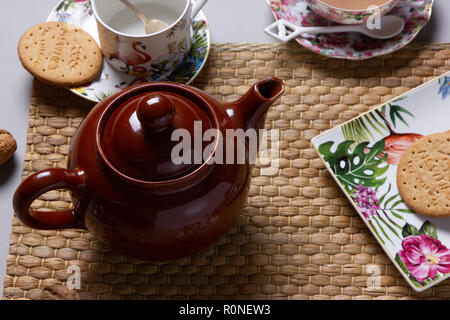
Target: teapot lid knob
{"type": "Point", "coordinates": [156, 112]}
{"type": "Point", "coordinates": [136, 134]}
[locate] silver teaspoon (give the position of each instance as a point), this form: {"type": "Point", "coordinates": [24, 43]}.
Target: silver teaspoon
{"type": "Point", "coordinates": [151, 26]}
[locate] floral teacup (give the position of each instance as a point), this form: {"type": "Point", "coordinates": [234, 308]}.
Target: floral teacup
{"type": "Point", "coordinates": [345, 16]}
{"type": "Point", "coordinates": [129, 49]}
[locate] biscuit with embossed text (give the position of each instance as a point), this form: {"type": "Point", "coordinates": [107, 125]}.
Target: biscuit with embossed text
{"type": "Point", "coordinates": [423, 176]}
{"type": "Point", "coordinates": [60, 54]}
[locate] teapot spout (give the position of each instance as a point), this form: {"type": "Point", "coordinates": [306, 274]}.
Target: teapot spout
{"type": "Point", "coordinates": [250, 111]}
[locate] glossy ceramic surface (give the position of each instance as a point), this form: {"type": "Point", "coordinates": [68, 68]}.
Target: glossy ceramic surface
{"type": "Point", "coordinates": [154, 55]}
{"type": "Point", "coordinates": [136, 210]}
{"type": "Point", "coordinates": [110, 81]}
{"type": "Point", "coordinates": [351, 46]}
{"type": "Point", "coordinates": [363, 154]}
{"type": "Point", "coordinates": [348, 16]}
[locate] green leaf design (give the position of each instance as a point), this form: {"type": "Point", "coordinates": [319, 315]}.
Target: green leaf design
{"type": "Point", "coordinates": [102, 95]}
{"type": "Point", "coordinates": [200, 40]}
{"type": "Point", "coordinates": [381, 199]}
{"type": "Point", "coordinates": [395, 112]}
{"type": "Point", "coordinates": [383, 221]}
{"type": "Point", "coordinates": [415, 282]}
{"type": "Point", "coordinates": [428, 229]}
{"type": "Point", "coordinates": [389, 209]}
{"type": "Point", "coordinates": [183, 73]}
{"type": "Point", "coordinates": [60, 7]}
{"type": "Point", "coordinates": [67, 4]}
{"type": "Point", "coordinates": [190, 66]}
{"type": "Point", "coordinates": [391, 199]}
{"type": "Point", "coordinates": [387, 214]}
{"type": "Point", "coordinates": [360, 129]}
{"type": "Point", "coordinates": [376, 232]}
{"type": "Point", "coordinates": [357, 167]}
{"type": "Point", "coordinates": [378, 219]}
{"type": "Point", "coordinates": [402, 266]}
{"type": "Point", "coordinates": [409, 230]}
{"type": "Point", "coordinates": [405, 210]}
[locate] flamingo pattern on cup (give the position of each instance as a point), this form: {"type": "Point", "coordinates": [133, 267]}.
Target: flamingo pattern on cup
{"type": "Point", "coordinates": [157, 56]}
{"type": "Point", "coordinates": [154, 55]}
{"type": "Point", "coordinates": [80, 13]}
{"type": "Point", "coordinates": [132, 59]}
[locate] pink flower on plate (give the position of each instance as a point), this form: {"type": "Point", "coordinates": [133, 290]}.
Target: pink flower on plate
{"type": "Point", "coordinates": [332, 41]}
{"type": "Point", "coordinates": [289, 2]}
{"type": "Point", "coordinates": [366, 199]}
{"type": "Point", "coordinates": [424, 256]}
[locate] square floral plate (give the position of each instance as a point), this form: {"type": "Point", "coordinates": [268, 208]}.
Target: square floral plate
{"type": "Point", "coordinates": [362, 156]}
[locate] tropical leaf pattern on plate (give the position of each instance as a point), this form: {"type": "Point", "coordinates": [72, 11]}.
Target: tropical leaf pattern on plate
{"type": "Point", "coordinates": [64, 7]}
{"type": "Point", "coordinates": [383, 212]}
{"type": "Point", "coordinates": [363, 128]}
{"type": "Point", "coordinates": [374, 140]}
{"type": "Point", "coordinates": [395, 112]}
{"type": "Point", "coordinates": [196, 58]}
{"type": "Point", "coordinates": [354, 168]}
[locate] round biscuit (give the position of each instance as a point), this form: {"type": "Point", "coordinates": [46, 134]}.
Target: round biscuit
{"type": "Point", "coordinates": [60, 54]}
{"type": "Point", "coordinates": [423, 176]}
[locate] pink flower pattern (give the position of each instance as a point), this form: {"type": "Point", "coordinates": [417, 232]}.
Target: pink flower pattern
{"type": "Point", "coordinates": [425, 256]}
{"type": "Point", "coordinates": [366, 199]}
{"type": "Point", "coordinates": [352, 46]}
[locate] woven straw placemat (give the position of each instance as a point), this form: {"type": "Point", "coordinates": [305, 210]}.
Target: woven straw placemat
{"type": "Point", "coordinates": [298, 237]}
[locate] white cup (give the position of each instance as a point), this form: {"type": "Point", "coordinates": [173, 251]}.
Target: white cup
{"type": "Point", "coordinates": [129, 49]}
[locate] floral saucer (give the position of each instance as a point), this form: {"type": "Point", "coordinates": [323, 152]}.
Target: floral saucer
{"type": "Point", "coordinates": [351, 46]}
{"type": "Point", "coordinates": [362, 155]}
{"type": "Point", "coordinates": [79, 12]}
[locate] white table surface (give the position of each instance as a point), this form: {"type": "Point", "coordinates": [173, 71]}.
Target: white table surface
{"type": "Point", "coordinates": [230, 21]}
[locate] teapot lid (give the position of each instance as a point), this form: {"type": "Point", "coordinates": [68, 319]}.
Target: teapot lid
{"type": "Point", "coordinates": [136, 137]}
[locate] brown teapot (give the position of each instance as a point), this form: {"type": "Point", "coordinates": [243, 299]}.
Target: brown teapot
{"type": "Point", "coordinates": [127, 189]}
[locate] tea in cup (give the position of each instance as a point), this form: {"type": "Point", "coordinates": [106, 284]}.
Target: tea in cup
{"type": "Point", "coordinates": [351, 11]}
{"type": "Point", "coordinates": [128, 48]}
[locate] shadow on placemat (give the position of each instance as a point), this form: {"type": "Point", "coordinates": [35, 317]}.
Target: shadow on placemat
{"type": "Point", "coordinates": [298, 237]}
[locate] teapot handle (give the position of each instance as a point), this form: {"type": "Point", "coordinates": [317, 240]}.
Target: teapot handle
{"type": "Point", "coordinates": [39, 183]}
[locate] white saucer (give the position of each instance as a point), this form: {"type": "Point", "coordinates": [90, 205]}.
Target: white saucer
{"type": "Point", "coordinates": [79, 12]}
